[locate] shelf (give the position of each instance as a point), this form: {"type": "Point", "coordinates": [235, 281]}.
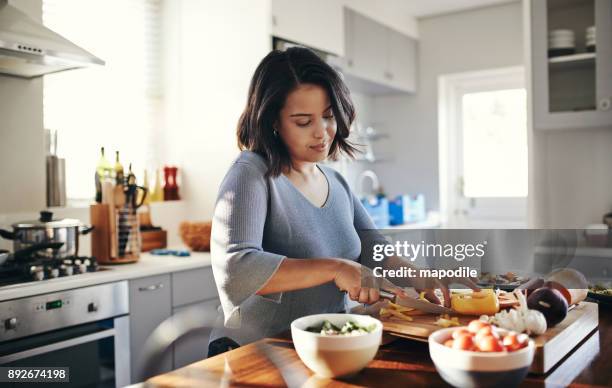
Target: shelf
{"type": "Point", "coordinates": [571, 61]}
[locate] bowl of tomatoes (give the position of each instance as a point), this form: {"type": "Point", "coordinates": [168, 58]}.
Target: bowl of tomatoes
{"type": "Point", "coordinates": [481, 355]}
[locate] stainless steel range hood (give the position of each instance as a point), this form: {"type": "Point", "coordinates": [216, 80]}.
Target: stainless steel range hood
{"type": "Point", "coordinates": [28, 49]}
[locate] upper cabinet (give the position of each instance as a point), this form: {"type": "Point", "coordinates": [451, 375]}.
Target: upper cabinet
{"type": "Point", "coordinates": [378, 55]}
{"type": "Point", "coordinates": [374, 58]}
{"type": "Point", "coordinates": [571, 63]}
{"type": "Point", "coordinates": [314, 23]}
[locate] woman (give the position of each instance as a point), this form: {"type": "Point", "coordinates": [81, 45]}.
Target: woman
{"type": "Point", "coordinates": [285, 229]}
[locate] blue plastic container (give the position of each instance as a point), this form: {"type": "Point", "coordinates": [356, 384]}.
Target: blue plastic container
{"type": "Point", "coordinates": [378, 208]}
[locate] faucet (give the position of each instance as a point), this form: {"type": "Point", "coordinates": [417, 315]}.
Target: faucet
{"type": "Point", "coordinates": [373, 177]}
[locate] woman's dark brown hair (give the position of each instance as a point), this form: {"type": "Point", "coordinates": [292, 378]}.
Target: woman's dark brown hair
{"type": "Point", "coordinates": [279, 73]}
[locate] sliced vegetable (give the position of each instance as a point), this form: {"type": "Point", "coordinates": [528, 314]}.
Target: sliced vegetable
{"type": "Point", "coordinates": [349, 328]}
{"type": "Point", "coordinates": [446, 321]}
{"type": "Point", "coordinates": [475, 303]}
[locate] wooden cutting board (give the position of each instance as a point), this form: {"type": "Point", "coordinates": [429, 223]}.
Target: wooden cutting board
{"type": "Point", "coordinates": [551, 347]}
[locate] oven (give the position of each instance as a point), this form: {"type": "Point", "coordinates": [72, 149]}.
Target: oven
{"type": "Point", "coordinates": [85, 329]}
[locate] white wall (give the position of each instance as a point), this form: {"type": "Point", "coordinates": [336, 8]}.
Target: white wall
{"type": "Point", "coordinates": [213, 48]}
{"type": "Point", "coordinates": [478, 39]}
{"type": "Point", "coordinates": [573, 180]}
{"type": "Point", "coordinates": [22, 154]}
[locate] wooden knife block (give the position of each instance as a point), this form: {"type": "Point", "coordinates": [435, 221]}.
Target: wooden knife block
{"type": "Point", "coordinates": [103, 235]}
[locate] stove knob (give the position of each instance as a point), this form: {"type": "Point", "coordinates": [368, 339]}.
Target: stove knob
{"type": "Point", "coordinates": [92, 307]}
{"type": "Point", "coordinates": [10, 324]}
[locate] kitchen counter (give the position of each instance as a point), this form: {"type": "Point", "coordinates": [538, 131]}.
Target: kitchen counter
{"type": "Point", "coordinates": [399, 363]}
{"type": "Point", "coordinates": [148, 265]}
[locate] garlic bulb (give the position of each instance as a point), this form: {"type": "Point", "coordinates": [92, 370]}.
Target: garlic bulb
{"type": "Point", "coordinates": [535, 322]}
{"type": "Point", "coordinates": [520, 320]}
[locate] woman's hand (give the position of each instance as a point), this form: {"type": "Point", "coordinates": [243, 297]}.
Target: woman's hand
{"type": "Point", "coordinates": [429, 285]}
{"type": "Point", "coordinates": [348, 278]}
{"type": "Point", "coordinates": [352, 277]}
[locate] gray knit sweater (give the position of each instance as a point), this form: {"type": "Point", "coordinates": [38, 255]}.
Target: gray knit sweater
{"type": "Point", "coordinates": [259, 221]}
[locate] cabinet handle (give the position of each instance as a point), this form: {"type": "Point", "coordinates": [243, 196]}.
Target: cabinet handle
{"type": "Point", "coordinates": [152, 287]}
{"type": "Point", "coordinates": [604, 104]}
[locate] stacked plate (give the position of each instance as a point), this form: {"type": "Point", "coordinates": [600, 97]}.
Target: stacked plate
{"type": "Point", "coordinates": [561, 42]}
{"type": "Point", "coordinates": [590, 39]}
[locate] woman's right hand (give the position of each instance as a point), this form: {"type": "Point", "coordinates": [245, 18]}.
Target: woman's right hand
{"type": "Point", "coordinates": [350, 277]}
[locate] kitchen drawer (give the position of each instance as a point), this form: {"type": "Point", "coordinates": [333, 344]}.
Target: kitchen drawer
{"type": "Point", "coordinates": [194, 346]}
{"type": "Point", "coordinates": [150, 305]}
{"type": "Point", "coordinates": [193, 286]}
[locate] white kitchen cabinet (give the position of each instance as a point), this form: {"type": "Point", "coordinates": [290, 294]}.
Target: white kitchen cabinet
{"type": "Point", "coordinates": [150, 305]}
{"type": "Point", "coordinates": [402, 61]}
{"type": "Point", "coordinates": [573, 91]}
{"type": "Point", "coordinates": [366, 43]}
{"type": "Point", "coordinates": [378, 59]}
{"type": "Point", "coordinates": [154, 299]}
{"type": "Point", "coordinates": [314, 23]}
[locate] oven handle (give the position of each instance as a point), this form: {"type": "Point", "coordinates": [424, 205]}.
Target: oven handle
{"type": "Point", "coordinates": [57, 346]}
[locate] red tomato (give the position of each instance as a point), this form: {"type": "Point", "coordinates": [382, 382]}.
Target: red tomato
{"type": "Point", "coordinates": [476, 325]}
{"type": "Point", "coordinates": [449, 343]}
{"type": "Point", "coordinates": [511, 342]}
{"type": "Point", "coordinates": [489, 344]}
{"type": "Point", "coordinates": [459, 332]}
{"type": "Point", "coordinates": [485, 331]}
{"type": "Point", "coordinates": [463, 342]}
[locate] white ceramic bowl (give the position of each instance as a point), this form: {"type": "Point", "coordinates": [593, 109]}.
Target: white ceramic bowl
{"type": "Point", "coordinates": [463, 368]}
{"type": "Point", "coordinates": [334, 356]}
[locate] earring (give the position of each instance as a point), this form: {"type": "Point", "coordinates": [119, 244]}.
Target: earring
{"type": "Point", "coordinates": [275, 133]}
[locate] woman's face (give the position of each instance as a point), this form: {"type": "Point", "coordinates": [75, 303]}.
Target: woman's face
{"type": "Point", "coordinates": [306, 124]}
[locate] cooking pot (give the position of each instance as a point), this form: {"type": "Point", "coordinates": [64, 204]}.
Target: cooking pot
{"type": "Point", "coordinates": [48, 230]}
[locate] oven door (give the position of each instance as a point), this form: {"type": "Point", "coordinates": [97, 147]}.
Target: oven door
{"type": "Point", "coordinates": [97, 353]}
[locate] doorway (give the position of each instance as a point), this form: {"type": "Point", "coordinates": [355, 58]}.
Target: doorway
{"type": "Point", "coordinates": [483, 157]}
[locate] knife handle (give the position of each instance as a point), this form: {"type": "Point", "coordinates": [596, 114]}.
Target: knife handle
{"type": "Point", "coordinates": [387, 295]}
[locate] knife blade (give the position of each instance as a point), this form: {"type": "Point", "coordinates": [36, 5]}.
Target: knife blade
{"type": "Point", "coordinates": [418, 304]}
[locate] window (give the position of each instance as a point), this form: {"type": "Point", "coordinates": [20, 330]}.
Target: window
{"type": "Point", "coordinates": [483, 144]}
{"type": "Point", "coordinates": [117, 106]}
{"type": "Point", "coordinates": [495, 143]}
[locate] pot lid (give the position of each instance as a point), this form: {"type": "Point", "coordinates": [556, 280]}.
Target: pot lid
{"type": "Point", "coordinates": [46, 220]}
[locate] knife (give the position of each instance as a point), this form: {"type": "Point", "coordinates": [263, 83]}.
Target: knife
{"type": "Point", "coordinates": [418, 304]}
{"type": "Point", "coordinates": [414, 303]}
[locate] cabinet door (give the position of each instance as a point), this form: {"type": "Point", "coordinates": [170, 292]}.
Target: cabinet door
{"type": "Point", "coordinates": [150, 305]}
{"type": "Point", "coordinates": [559, 83]}
{"type": "Point", "coordinates": [194, 346]}
{"type": "Point", "coordinates": [193, 286]}
{"type": "Point", "coordinates": [402, 61]}
{"type": "Point", "coordinates": [368, 48]}
{"type": "Point", "coordinates": [314, 23]}
{"type": "Point", "coordinates": [603, 21]}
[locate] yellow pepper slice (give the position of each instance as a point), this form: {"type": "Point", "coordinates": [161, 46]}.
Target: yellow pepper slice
{"type": "Point", "coordinates": [475, 303]}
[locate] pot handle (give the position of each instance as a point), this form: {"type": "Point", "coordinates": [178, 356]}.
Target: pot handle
{"type": "Point", "coordinates": [7, 235]}
{"type": "Point", "coordinates": [85, 229]}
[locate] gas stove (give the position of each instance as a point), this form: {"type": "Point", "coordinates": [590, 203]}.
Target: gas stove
{"type": "Point", "coordinates": [36, 269]}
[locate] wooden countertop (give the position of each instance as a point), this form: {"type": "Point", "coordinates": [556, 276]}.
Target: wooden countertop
{"type": "Point", "coordinates": [273, 362]}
